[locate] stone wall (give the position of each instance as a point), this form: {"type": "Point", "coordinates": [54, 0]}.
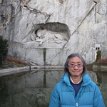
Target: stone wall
{"type": "Point", "coordinates": [58, 26]}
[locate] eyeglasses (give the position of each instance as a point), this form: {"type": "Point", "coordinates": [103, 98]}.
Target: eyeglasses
{"type": "Point", "coordinates": [73, 65]}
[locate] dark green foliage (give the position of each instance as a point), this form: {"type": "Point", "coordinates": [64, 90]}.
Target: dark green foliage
{"type": "Point", "coordinates": [3, 49]}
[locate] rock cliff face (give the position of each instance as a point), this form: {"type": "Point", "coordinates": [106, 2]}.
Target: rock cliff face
{"type": "Point", "coordinates": [47, 31]}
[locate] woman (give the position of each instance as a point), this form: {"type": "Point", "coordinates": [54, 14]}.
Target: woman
{"type": "Point", "coordinates": [76, 89]}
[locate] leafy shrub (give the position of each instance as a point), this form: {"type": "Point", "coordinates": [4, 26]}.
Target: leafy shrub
{"type": "Point", "coordinates": [3, 49]}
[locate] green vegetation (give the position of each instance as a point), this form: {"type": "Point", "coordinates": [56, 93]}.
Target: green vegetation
{"type": "Point", "coordinates": [3, 49]}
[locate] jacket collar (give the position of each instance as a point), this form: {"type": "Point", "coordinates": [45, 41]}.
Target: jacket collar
{"type": "Point", "coordinates": [86, 79]}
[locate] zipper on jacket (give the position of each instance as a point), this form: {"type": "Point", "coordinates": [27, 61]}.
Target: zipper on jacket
{"type": "Point", "coordinates": [78, 96]}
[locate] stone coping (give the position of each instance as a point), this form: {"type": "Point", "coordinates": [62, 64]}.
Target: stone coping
{"type": "Point", "coordinates": [16, 70]}
{"type": "Point", "coordinates": [102, 68]}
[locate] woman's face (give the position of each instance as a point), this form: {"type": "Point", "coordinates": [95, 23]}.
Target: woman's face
{"type": "Point", "coordinates": [75, 66]}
